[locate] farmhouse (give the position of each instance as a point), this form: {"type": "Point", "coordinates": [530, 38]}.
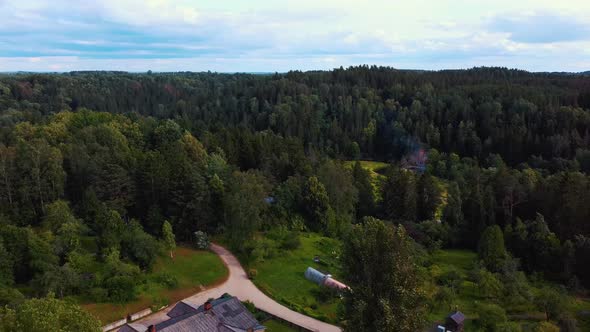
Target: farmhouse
{"type": "Point", "coordinates": [226, 314]}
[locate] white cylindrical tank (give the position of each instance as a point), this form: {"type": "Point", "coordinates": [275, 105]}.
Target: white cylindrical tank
{"type": "Point", "coordinates": [315, 276]}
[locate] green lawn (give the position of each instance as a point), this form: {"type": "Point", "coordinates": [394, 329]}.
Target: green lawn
{"type": "Point", "coordinates": [460, 260]}
{"type": "Point", "coordinates": [276, 326]}
{"type": "Point", "coordinates": [192, 269]}
{"type": "Point", "coordinates": [282, 276]}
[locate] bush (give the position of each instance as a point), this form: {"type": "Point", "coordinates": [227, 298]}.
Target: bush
{"type": "Point", "coordinates": [201, 240]}
{"type": "Point", "coordinates": [158, 302]}
{"type": "Point", "coordinates": [491, 317]}
{"type": "Point", "coordinates": [10, 297]}
{"type": "Point", "coordinates": [509, 327]}
{"type": "Point", "coordinates": [287, 240]}
{"type": "Point", "coordinates": [120, 288]}
{"type": "Point", "coordinates": [450, 279]}
{"type": "Point", "coordinates": [98, 294]}
{"type": "Point", "coordinates": [262, 248]}
{"type": "Point", "coordinates": [167, 280]}
{"type": "Point", "coordinates": [444, 296]}
{"type": "Point", "coordinates": [259, 315]}
{"type": "Point", "coordinates": [291, 242]}
{"type": "Point", "coordinates": [252, 273]}
{"type": "Point", "coordinates": [547, 327]}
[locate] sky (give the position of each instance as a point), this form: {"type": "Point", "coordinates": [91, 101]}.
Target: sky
{"type": "Point", "coordinates": [283, 35]}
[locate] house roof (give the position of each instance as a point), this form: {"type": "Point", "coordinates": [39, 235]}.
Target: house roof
{"type": "Point", "coordinates": [227, 314]}
{"type": "Point", "coordinates": [458, 317]}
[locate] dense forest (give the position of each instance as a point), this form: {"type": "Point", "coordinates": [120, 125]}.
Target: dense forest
{"type": "Point", "coordinates": [96, 166]}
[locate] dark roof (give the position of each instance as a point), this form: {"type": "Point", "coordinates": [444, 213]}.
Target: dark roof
{"type": "Point", "coordinates": [182, 308]}
{"type": "Point", "coordinates": [458, 317]}
{"type": "Point", "coordinates": [227, 314]}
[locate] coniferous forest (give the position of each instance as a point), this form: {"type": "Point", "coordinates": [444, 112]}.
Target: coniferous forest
{"type": "Point", "coordinates": [96, 166]}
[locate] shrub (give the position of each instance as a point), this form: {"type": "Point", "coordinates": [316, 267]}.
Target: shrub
{"type": "Point", "coordinates": [98, 294]}
{"type": "Point", "coordinates": [158, 302]}
{"type": "Point", "coordinates": [547, 327]}
{"type": "Point", "coordinates": [259, 315]}
{"type": "Point", "coordinates": [509, 327]}
{"type": "Point", "coordinates": [444, 296]}
{"type": "Point", "coordinates": [10, 297]}
{"type": "Point", "coordinates": [252, 273]}
{"type": "Point", "coordinates": [491, 317]}
{"type": "Point", "coordinates": [291, 242]}
{"type": "Point", "coordinates": [201, 240]}
{"type": "Point", "coordinates": [120, 288]}
{"type": "Point", "coordinates": [450, 279]}
{"type": "Point", "coordinates": [166, 279]}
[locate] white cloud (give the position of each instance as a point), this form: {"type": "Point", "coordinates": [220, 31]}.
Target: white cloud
{"type": "Point", "coordinates": [297, 34]}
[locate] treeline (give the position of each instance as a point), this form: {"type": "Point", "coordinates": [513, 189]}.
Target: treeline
{"type": "Point", "coordinates": [523, 117]}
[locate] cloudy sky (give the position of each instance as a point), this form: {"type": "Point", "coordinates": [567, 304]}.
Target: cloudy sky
{"type": "Point", "coordinates": [280, 35]}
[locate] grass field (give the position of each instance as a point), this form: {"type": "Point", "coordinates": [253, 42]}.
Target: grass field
{"type": "Point", "coordinates": [276, 326]}
{"type": "Point", "coordinates": [192, 268]}
{"type": "Point", "coordinates": [281, 276]}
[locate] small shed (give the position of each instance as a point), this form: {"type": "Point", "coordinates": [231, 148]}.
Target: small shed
{"type": "Point", "coordinates": [455, 321]}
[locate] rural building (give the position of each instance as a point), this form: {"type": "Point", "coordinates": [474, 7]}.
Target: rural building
{"type": "Point", "coordinates": [455, 322]}
{"type": "Point", "coordinates": [225, 314]}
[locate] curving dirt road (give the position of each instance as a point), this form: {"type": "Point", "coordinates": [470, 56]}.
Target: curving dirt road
{"type": "Point", "coordinates": [239, 285]}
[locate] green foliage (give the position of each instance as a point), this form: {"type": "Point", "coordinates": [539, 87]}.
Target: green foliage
{"type": "Point", "coordinates": [120, 288]}
{"type": "Point", "coordinates": [243, 204]}
{"type": "Point", "coordinates": [10, 297]}
{"type": "Point", "coordinates": [47, 314]}
{"type": "Point", "coordinates": [552, 302]}
{"type": "Point", "coordinates": [509, 327]}
{"type": "Point", "coordinates": [366, 193]}
{"type": "Point", "coordinates": [166, 279]}
{"type": "Point", "coordinates": [168, 236]}
{"type": "Point", "coordinates": [491, 317]}
{"type": "Point", "coordinates": [339, 186]}
{"type": "Point", "coordinates": [377, 260]}
{"type": "Point", "coordinates": [399, 195]}
{"type": "Point", "coordinates": [286, 239]}
{"type": "Point", "coordinates": [6, 267]}
{"type": "Point", "coordinates": [491, 248]}
{"type": "Point", "coordinates": [139, 246]}
{"type": "Point", "coordinates": [58, 213]}
{"type": "Point", "coordinates": [201, 240]}
{"type": "Point", "coordinates": [489, 285]}
{"type": "Point", "coordinates": [316, 203]}
{"type": "Point", "coordinates": [61, 281]}
{"type": "Point", "coordinates": [547, 327]}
